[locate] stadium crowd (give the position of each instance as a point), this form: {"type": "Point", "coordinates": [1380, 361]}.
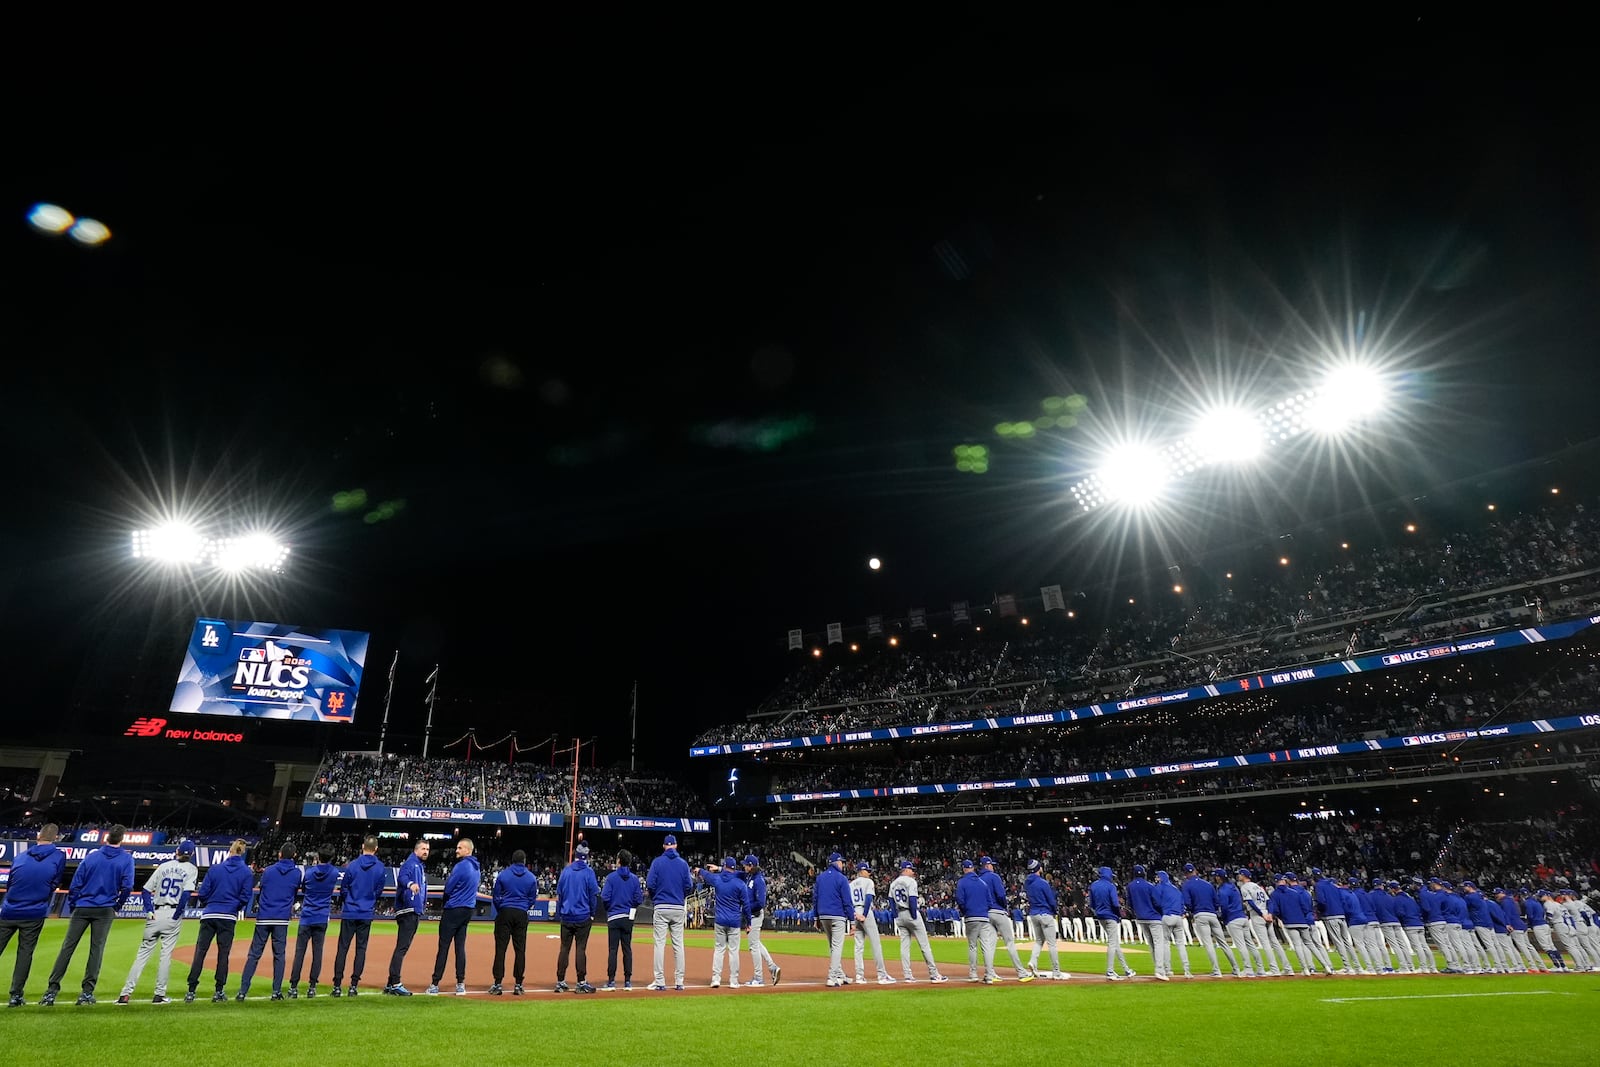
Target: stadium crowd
{"type": "Point", "coordinates": [1425, 588]}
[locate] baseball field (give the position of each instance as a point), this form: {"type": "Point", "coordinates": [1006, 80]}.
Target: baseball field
{"type": "Point", "coordinates": [1534, 1019]}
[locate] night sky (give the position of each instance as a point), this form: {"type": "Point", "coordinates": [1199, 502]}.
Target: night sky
{"type": "Point", "coordinates": [645, 371]}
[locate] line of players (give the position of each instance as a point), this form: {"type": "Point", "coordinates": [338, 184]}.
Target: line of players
{"type": "Point", "coordinates": [1383, 928]}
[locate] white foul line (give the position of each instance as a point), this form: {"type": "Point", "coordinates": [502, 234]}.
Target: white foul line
{"type": "Point", "coordinates": [1452, 996]}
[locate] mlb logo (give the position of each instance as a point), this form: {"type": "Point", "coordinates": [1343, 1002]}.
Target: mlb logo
{"type": "Point", "coordinates": [253, 655]}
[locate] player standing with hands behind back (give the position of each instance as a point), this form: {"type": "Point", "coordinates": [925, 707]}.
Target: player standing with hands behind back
{"type": "Point", "coordinates": [170, 888]}
{"type": "Point", "coordinates": [863, 893]}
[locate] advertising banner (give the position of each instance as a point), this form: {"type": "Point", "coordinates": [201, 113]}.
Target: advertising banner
{"type": "Point", "coordinates": [268, 670]}
{"type": "Point", "coordinates": [339, 809]}
{"type": "Point", "coordinates": [644, 822]}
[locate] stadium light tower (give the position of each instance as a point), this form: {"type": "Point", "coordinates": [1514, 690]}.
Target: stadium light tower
{"type": "Point", "coordinates": [180, 544]}
{"type": "Point", "coordinates": [1133, 475]}
{"type": "Point", "coordinates": [1350, 394]}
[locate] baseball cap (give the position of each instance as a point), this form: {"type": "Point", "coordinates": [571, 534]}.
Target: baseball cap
{"type": "Point", "coordinates": [966, 865]}
{"type": "Point", "coordinates": [581, 851]}
{"type": "Point", "coordinates": [1281, 878]}
{"type": "Point", "coordinates": [1218, 872]}
{"type": "Point", "coordinates": [1033, 865]}
{"type": "Point", "coordinates": [727, 861]}
{"type": "Point", "coordinates": [1291, 876]}
{"type": "Point", "coordinates": [835, 857]}
{"type": "Point", "coordinates": [670, 841]}
{"type": "Point", "coordinates": [1138, 868]}
{"type": "Point", "coordinates": [1188, 867]}
{"type": "Point", "coordinates": [1497, 891]}
{"type": "Point", "coordinates": [1394, 883]}
{"type": "Point", "coordinates": [1244, 871]}
{"type": "Point", "coordinates": [1435, 881]}
{"type": "Point", "coordinates": [863, 866]}
{"type": "Point", "coordinates": [985, 860]}
{"type": "Point", "coordinates": [1468, 883]}
{"type": "Point", "coordinates": [185, 847]}
{"type": "Point", "coordinates": [752, 861]}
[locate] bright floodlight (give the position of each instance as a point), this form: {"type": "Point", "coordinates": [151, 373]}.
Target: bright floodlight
{"type": "Point", "coordinates": [1228, 435]}
{"type": "Point", "coordinates": [253, 551]}
{"type": "Point", "coordinates": [1133, 475]}
{"type": "Point", "coordinates": [875, 563]}
{"type": "Point", "coordinates": [51, 218]}
{"type": "Point", "coordinates": [172, 543]}
{"type": "Point", "coordinates": [1349, 394]}
{"type": "Point", "coordinates": [90, 232]}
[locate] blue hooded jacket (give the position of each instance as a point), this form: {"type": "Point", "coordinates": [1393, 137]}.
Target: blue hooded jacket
{"type": "Point", "coordinates": [1497, 917]}
{"type": "Point", "coordinates": [1536, 913]}
{"type": "Point", "coordinates": [1198, 896]}
{"type": "Point", "coordinates": [226, 890]}
{"type": "Point", "coordinates": [733, 903]}
{"type": "Point", "coordinates": [406, 902]}
{"type": "Point", "coordinates": [1455, 910]}
{"type": "Point", "coordinates": [1142, 900]}
{"type": "Point", "coordinates": [1041, 897]}
{"type": "Point", "coordinates": [1330, 900]}
{"type": "Point", "coordinates": [669, 880]}
{"type": "Point", "coordinates": [997, 890]}
{"type": "Point", "coordinates": [1406, 910]}
{"type": "Point", "coordinates": [362, 885]}
{"type": "Point", "coordinates": [973, 896]}
{"type": "Point", "coordinates": [1295, 906]}
{"type": "Point", "coordinates": [576, 891]}
{"type": "Point", "coordinates": [1432, 906]}
{"type": "Point", "coordinates": [756, 885]}
{"type": "Point", "coordinates": [1167, 894]}
{"type": "Point", "coordinates": [317, 894]}
{"type": "Point", "coordinates": [1508, 908]}
{"type": "Point", "coordinates": [1382, 906]}
{"type": "Point", "coordinates": [279, 884]}
{"type": "Point", "coordinates": [34, 878]}
{"type": "Point", "coordinates": [1477, 908]}
{"type": "Point", "coordinates": [831, 894]}
{"type": "Point", "coordinates": [103, 880]}
{"type": "Point", "coordinates": [461, 888]}
{"type": "Point", "coordinates": [515, 887]}
{"type": "Point", "coordinates": [622, 893]}
{"type": "Point", "coordinates": [1230, 902]}
{"type": "Point", "coordinates": [1356, 909]}
{"type": "Point", "coordinates": [1103, 897]}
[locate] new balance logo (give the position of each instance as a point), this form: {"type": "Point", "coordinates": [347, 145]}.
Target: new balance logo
{"type": "Point", "coordinates": [210, 640]}
{"type": "Point", "coordinates": [143, 727]}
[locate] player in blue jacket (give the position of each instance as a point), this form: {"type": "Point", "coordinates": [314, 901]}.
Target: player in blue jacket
{"type": "Point", "coordinates": [1358, 920]}
{"type": "Point", "coordinates": [1146, 909]}
{"type": "Point", "coordinates": [1483, 926]}
{"type": "Point", "coordinates": [755, 883]}
{"type": "Point", "coordinates": [99, 886]}
{"type": "Point", "coordinates": [1042, 923]}
{"type": "Point", "coordinates": [1000, 916]}
{"type": "Point", "coordinates": [515, 890]}
{"type": "Point", "coordinates": [577, 891]}
{"type": "Point", "coordinates": [1171, 903]}
{"type": "Point", "coordinates": [1230, 911]}
{"type": "Point", "coordinates": [360, 889]}
{"type": "Point", "coordinates": [1517, 929]}
{"type": "Point", "coordinates": [670, 883]}
{"type": "Point", "coordinates": [1329, 899]}
{"type": "Point", "coordinates": [973, 897]}
{"type": "Point", "coordinates": [460, 898]}
{"type": "Point", "coordinates": [224, 895]}
{"type": "Point", "coordinates": [1410, 917]}
{"type": "Point", "coordinates": [732, 913]}
{"type": "Point", "coordinates": [1107, 908]}
{"type": "Point", "coordinates": [1297, 914]}
{"type": "Point", "coordinates": [316, 907]}
{"type": "Point", "coordinates": [1200, 901]}
{"type": "Point", "coordinates": [280, 884]}
{"type": "Point", "coordinates": [35, 876]}
{"type": "Point", "coordinates": [622, 894]}
{"type": "Point", "coordinates": [1431, 900]}
{"type": "Point", "coordinates": [830, 896]}
{"type": "Point", "coordinates": [410, 904]}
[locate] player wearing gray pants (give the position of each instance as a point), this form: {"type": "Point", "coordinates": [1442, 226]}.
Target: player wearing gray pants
{"type": "Point", "coordinates": [1155, 934]}
{"type": "Point", "coordinates": [1208, 928]}
{"type": "Point", "coordinates": [863, 896]}
{"type": "Point", "coordinates": [835, 927]}
{"type": "Point", "coordinates": [1116, 961]}
{"type": "Point", "coordinates": [980, 937]}
{"type": "Point", "coordinates": [162, 927]}
{"type": "Point", "coordinates": [1394, 935]}
{"type": "Point", "coordinates": [1440, 932]}
{"type": "Point", "coordinates": [1175, 933]}
{"type": "Point", "coordinates": [725, 943]}
{"type": "Point", "coordinates": [668, 924]}
{"type": "Point", "coordinates": [1244, 944]}
{"type": "Point", "coordinates": [1044, 936]}
{"type": "Point", "coordinates": [1000, 923]}
{"type": "Point", "coordinates": [909, 928]}
{"type": "Point", "coordinates": [1338, 931]}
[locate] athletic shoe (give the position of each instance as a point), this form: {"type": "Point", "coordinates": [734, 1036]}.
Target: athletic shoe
{"type": "Point", "coordinates": [1113, 976]}
{"type": "Point", "coordinates": [1060, 976]}
{"type": "Point", "coordinates": [973, 978]}
{"type": "Point", "coordinates": [311, 990]}
{"type": "Point", "coordinates": [861, 979]}
{"type": "Point", "coordinates": [432, 991]}
{"type": "Point", "coordinates": [15, 1002]}
{"type": "Point", "coordinates": [1130, 973]}
{"type": "Point", "coordinates": [884, 979]}
{"type": "Point", "coordinates": [338, 990]}
{"type": "Point", "coordinates": [240, 996]}
{"type": "Point", "coordinates": [516, 990]}
{"type": "Point", "coordinates": [47, 1001]}
{"type": "Point", "coordinates": [584, 987]}
{"type": "Point", "coordinates": [461, 989]}
{"type": "Point", "coordinates": [294, 992]}
{"type": "Point", "coordinates": [609, 987]}
{"type": "Point", "coordinates": [938, 978]}
{"type": "Point", "coordinates": [188, 998]}
{"type": "Point", "coordinates": [399, 991]}
{"type": "Point", "coordinates": [1216, 974]}
{"type": "Point", "coordinates": [1026, 976]}
{"type": "Point", "coordinates": [351, 991]}
{"type": "Point", "coordinates": [124, 1000]}
{"type": "Point", "coordinates": [992, 980]}
{"type": "Point", "coordinates": [832, 983]}
{"type": "Point", "coordinates": [159, 999]}
{"type": "Point", "coordinates": [754, 981]}
{"type": "Point", "coordinates": [776, 971]}
{"type": "Point", "coordinates": [495, 990]}
{"type": "Point", "coordinates": [86, 998]}
{"type": "Point", "coordinates": [657, 986]}
{"type": "Point", "coordinates": [562, 987]}
{"type": "Point", "coordinates": [1186, 974]}
{"type": "Point", "coordinates": [625, 985]}
{"type": "Point", "coordinates": [219, 997]}
{"type": "Point", "coordinates": [1163, 977]}
{"type": "Point", "coordinates": [716, 984]}
{"type": "Point", "coordinates": [677, 989]}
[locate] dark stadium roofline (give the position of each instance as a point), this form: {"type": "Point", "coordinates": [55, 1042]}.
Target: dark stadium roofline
{"type": "Point", "coordinates": [1461, 772]}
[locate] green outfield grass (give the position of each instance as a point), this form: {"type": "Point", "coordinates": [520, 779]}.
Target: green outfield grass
{"type": "Point", "coordinates": [1508, 1020]}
